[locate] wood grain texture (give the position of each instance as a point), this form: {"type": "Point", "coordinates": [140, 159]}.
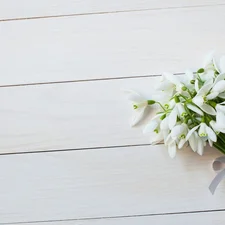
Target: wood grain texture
{"type": "Point", "coordinates": [10, 9]}
{"type": "Point", "coordinates": [212, 218]}
{"type": "Point", "coordinates": [70, 116]}
{"type": "Point", "coordinates": [109, 46]}
{"type": "Point", "coordinates": [106, 182]}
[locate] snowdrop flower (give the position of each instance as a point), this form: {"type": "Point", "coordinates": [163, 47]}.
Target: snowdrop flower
{"type": "Point", "coordinates": [189, 80]}
{"type": "Point", "coordinates": [195, 109]}
{"type": "Point", "coordinates": [220, 118]}
{"type": "Point", "coordinates": [201, 98]}
{"type": "Point", "coordinates": [176, 138]}
{"type": "Point", "coordinates": [208, 63]}
{"type": "Point", "coordinates": [177, 111]}
{"type": "Point", "coordinates": [217, 127]}
{"type": "Point", "coordinates": [164, 127]}
{"type": "Point", "coordinates": [170, 83]}
{"type": "Point", "coordinates": [218, 88]}
{"type": "Point", "coordinates": [220, 115]}
{"type": "Point", "coordinates": [213, 63]}
{"type": "Point", "coordinates": [197, 144]}
{"type": "Point", "coordinates": [153, 128]}
{"type": "Point", "coordinates": [219, 64]}
{"type": "Point", "coordinates": [207, 133]}
{"type": "Point", "coordinates": [139, 105]}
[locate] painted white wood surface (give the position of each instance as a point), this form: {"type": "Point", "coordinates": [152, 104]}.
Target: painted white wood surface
{"type": "Point", "coordinates": [70, 116]}
{"type": "Point", "coordinates": [212, 218]}
{"type": "Point", "coordinates": [105, 182]}
{"type": "Point", "coordinates": [29, 8]}
{"type": "Point", "coordinates": [110, 45]}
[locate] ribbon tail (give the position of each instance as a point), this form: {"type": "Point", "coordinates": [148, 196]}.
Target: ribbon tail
{"type": "Point", "coordinates": [215, 182]}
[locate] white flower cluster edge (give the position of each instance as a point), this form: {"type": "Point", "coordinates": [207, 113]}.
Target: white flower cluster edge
{"type": "Point", "coordinates": [191, 108]}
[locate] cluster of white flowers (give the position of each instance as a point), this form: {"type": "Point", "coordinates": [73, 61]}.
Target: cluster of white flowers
{"type": "Point", "coordinates": [192, 111]}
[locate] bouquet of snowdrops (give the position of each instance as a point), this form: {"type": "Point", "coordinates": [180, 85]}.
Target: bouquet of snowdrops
{"type": "Point", "coordinates": [192, 110]}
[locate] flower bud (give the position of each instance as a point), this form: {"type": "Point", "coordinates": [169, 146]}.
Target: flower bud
{"type": "Point", "coordinates": [151, 102]}
{"type": "Point", "coordinates": [184, 88]}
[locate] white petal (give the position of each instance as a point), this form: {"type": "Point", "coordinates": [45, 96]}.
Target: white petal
{"type": "Point", "coordinates": [177, 131]}
{"type": "Point", "coordinates": [212, 95]}
{"type": "Point", "coordinates": [181, 143]}
{"type": "Point", "coordinates": [219, 86]}
{"type": "Point", "coordinates": [165, 135]}
{"type": "Point", "coordinates": [220, 77]}
{"type": "Point", "coordinates": [216, 64]}
{"type": "Point", "coordinates": [191, 132]}
{"type": "Point", "coordinates": [200, 147]}
{"type": "Point", "coordinates": [164, 124]}
{"type": "Point", "coordinates": [222, 95]}
{"type": "Point", "coordinates": [205, 88]}
{"type": "Point", "coordinates": [198, 100]}
{"type": "Point", "coordinates": [220, 108]}
{"type": "Point", "coordinates": [172, 148]}
{"type": "Point", "coordinates": [156, 138]}
{"type": "Point", "coordinates": [197, 85]}
{"type": "Point", "coordinates": [193, 141]}
{"type": "Point", "coordinates": [165, 85]}
{"type": "Point", "coordinates": [173, 79]}
{"type": "Point", "coordinates": [214, 126]}
{"type": "Point", "coordinates": [180, 109]}
{"type": "Point", "coordinates": [189, 74]}
{"type": "Point", "coordinates": [134, 96]}
{"type": "Point", "coordinates": [208, 109]}
{"type": "Point", "coordinates": [208, 59]}
{"type": "Point", "coordinates": [211, 135]}
{"type": "Point", "coordinates": [210, 142]}
{"type": "Point", "coordinates": [151, 126]}
{"type": "Point", "coordinates": [220, 119]}
{"type": "Point", "coordinates": [210, 79]}
{"type": "Point", "coordinates": [137, 116]}
{"type": "Point", "coordinates": [168, 140]}
{"type": "Point", "coordinates": [222, 64]}
{"type": "Point", "coordinates": [172, 119]}
{"type": "Point", "coordinates": [202, 130]}
{"type": "Point", "coordinates": [195, 109]}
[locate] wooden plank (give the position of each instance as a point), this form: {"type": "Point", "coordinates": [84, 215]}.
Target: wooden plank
{"type": "Point", "coordinates": [10, 9]}
{"type": "Point", "coordinates": [215, 218]}
{"type": "Point", "coordinates": [108, 46]}
{"type": "Point", "coordinates": [70, 115]}
{"type": "Point", "coordinates": [104, 183]}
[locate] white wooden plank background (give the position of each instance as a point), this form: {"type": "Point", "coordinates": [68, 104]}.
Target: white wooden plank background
{"type": "Point", "coordinates": [111, 176]}
{"type": "Point", "coordinates": [213, 218]}
{"type": "Point", "coordinates": [104, 183]}
{"type": "Point", "coordinates": [66, 116]}
{"type": "Point", "coordinates": [27, 8]}
{"type": "Point", "coordinates": [108, 46]}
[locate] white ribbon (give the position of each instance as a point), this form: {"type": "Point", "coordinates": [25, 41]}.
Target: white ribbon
{"type": "Point", "coordinates": [219, 167]}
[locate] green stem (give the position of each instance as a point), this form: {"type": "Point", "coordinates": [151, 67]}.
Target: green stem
{"type": "Point", "coordinates": [190, 93]}
{"type": "Point", "coordinates": [161, 106]}
{"type": "Point", "coordinates": [218, 146]}
{"type": "Point", "coordinates": [221, 137]}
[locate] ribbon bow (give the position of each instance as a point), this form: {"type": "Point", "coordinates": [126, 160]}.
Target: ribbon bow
{"type": "Point", "coordinates": [219, 167]}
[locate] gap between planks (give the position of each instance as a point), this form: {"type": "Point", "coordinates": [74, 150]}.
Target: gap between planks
{"type": "Point", "coordinates": [109, 12]}
{"type": "Point", "coordinates": [85, 80]}
{"type": "Point", "coordinates": [120, 217]}
{"type": "Point", "coordinates": [77, 149]}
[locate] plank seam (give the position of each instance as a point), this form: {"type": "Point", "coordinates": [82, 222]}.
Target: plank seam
{"type": "Point", "coordinates": [109, 12]}
{"type": "Point", "coordinates": [120, 217]}
{"type": "Point", "coordinates": [80, 81]}
{"type": "Point", "coordinates": [76, 149]}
